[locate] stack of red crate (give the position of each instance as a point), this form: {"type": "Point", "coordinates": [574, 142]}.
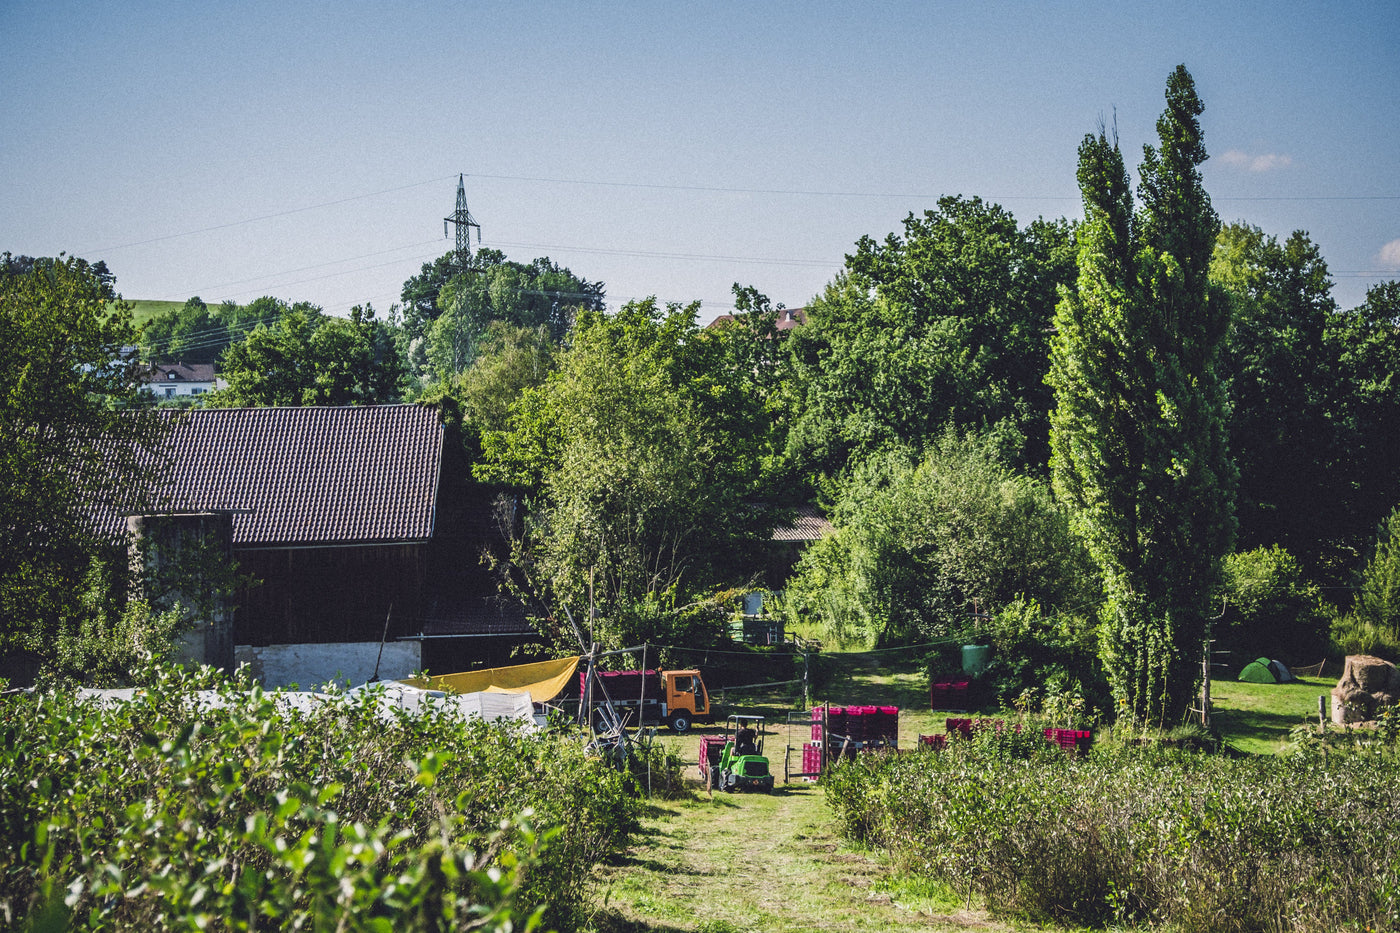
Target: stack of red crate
{"type": "Point", "coordinates": [1071, 740]}
{"type": "Point", "coordinates": [948, 694]}
{"type": "Point", "coordinates": [958, 727]}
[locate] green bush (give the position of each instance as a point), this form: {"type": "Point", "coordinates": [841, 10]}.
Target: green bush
{"type": "Point", "coordinates": [918, 546]}
{"type": "Point", "coordinates": [1047, 661]}
{"type": "Point", "coordinates": [1144, 836]}
{"type": "Point", "coordinates": [1373, 625]}
{"type": "Point", "coordinates": [1271, 609]}
{"type": "Point", "coordinates": [179, 811]}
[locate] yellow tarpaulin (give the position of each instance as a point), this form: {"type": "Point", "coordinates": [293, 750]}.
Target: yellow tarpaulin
{"type": "Point", "coordinates": [542, 680]}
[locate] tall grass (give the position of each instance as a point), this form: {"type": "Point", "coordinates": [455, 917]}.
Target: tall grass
{"type": "Point", "coordinates": [1309, 841]}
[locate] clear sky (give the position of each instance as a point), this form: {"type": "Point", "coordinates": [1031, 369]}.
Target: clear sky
{"type": "Point", "coordinates": [311, 150]}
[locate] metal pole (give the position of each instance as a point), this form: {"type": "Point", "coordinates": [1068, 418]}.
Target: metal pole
{"type": "Point", "coordinates": [642, 694]}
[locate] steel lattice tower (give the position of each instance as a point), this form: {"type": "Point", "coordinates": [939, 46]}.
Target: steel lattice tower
{"type": "Point", "coordinates": [464, 222]}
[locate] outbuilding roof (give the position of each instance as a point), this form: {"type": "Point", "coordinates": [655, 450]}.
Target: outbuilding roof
{"type": "Point", "coordinates": [308, 476]}
{"type": "Point", "coordinates": [808, 524]}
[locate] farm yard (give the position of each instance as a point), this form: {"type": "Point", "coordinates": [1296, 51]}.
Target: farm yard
{"type": "Point", "coordinates": [1001, 831]}
{"type": "Point", "coordinates": [989, 589]}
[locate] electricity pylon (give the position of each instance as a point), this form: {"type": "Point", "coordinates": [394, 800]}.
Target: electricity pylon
{"type": "Point", "coordinates": [463, 220]}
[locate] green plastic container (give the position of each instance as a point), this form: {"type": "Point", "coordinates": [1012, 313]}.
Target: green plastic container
{"type": "Point", "coordinates": [975, 658]}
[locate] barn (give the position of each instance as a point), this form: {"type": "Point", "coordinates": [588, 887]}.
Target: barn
{"type": "Point", "coordinates": [356, 523]}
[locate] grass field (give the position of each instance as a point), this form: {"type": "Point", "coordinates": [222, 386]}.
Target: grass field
{"type": "Point", "coordinates": [741, 862]}
{"type": "Point", "coordinates": [143, 311]}
{"type": "Point", "coordinates": [1257, 718]}
{"type": "Point", "coordinates": [763, 862]}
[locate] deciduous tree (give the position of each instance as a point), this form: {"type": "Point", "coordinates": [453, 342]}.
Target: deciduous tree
{"type": "Point", "coordinates": [73, 436]}
{"type": "Point", "coordinates": [310, 358]}
{"type": "Point", "coordinates": [1138, 436]}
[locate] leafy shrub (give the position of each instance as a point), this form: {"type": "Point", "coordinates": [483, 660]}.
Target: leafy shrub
{"type": "Point", "coordinates": [1310, 842]}
{"type": "Point", "coordinates": [1351, 635]}
{"type": "Point", "coordinates": [1271, 609]}
{"type": "Point", "coordinates": [917, 546]}
{"type": "Point", "coordinates": [1373, 625]}
{"type": "Point", "coordinates": [231, 807]}
{"type": "Point", "coordinates": [1050, 660]}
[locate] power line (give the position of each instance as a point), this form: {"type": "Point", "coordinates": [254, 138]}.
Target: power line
{"type": "Point", "coordinates": [720, 189]}
{"type": "Point", "coordinates": [252, 220]}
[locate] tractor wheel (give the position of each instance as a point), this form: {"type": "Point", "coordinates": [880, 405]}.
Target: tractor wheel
{"type": "Point", "coordinates": [679, 723]}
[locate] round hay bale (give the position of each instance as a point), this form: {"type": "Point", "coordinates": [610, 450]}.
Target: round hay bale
{"type": "Point", "coordinates": [1367, 684]}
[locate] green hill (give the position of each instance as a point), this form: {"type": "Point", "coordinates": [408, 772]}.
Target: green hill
{"type": "Point", "coordinates": [143, 311]}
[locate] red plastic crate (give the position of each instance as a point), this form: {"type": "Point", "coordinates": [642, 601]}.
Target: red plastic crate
{"type": "Point", "coordinates": [948, 694]}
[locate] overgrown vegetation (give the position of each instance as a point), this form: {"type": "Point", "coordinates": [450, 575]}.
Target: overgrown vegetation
{"type": "Point", "coordinates": [919, 547]}
{"type": "Point", "coordinates": [1309, 841]}
{"type": "Point", "coordinates": [234, 809]}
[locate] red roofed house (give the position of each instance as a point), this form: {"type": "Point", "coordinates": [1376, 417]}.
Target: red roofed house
{"type": "Point", "coordinates": [181, 380]}
{"type": "Point", "coordinates": [348, 517]}
{"type": "Point", "coordinates": [788, 319]}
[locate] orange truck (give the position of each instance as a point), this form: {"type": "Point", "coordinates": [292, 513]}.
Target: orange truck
{"type": "Point", "coordinates": [677, 698]}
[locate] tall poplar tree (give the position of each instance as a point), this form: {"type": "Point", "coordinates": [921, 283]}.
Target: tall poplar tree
{"type": "Point", "coordinates": [1138, 432]}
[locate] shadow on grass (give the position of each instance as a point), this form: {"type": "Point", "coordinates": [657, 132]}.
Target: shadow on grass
{"type": "Point", "coordinates": [611, 921]}
{"type": "Point", "coordinates": [643, 863]}
{"type": "Point", "coordinates": [1257, 725]}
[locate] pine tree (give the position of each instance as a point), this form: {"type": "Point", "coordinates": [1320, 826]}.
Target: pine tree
{"type": "Point", "coordinates": [1138, 433]}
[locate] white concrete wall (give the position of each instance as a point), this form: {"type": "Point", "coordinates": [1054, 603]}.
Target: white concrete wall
{"type": "Point", "coordinates": [348, 663]}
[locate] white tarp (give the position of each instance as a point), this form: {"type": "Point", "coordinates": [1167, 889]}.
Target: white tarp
{"type": "Point", "coordinates": [391, 697]}
{"type": "Point", "coordinates": [509, 707]}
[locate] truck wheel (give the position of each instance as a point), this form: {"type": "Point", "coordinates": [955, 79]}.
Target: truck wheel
{"type": "Point", "coordinates": [679, 723]}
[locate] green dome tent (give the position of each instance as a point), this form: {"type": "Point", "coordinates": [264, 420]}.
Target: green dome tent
{"type": "Point", "coordinates": [1264, 671]}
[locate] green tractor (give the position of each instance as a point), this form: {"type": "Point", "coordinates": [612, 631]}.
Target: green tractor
{"type": "Point", "coordinates": [734, 761]}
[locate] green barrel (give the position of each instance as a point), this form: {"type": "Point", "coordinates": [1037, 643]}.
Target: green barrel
{"type": "Point", "coordinates": [975, 658]}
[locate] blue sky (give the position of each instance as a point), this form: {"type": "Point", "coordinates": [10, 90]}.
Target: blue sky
{"type": "Point", "coordinates": [311, 150]}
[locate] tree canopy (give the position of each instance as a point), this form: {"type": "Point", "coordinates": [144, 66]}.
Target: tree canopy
{"type": "Point", "coordinates": [946, 324]}
{"type": "Point", "coordinates": [636, 455]}
{"type": "Point", "coordinates": [74, 436]}
{"type": "Point", "coordinates": [1138, 433]}
{"type": "Point", "coordinates": [448, 307]}
{"type": "Point", "coordinates": [310, 358]}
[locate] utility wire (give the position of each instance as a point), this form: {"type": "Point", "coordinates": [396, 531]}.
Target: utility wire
{"type": "Point", "coordinates": [252, 220]}
{"type": "Point", "coordinates": [721, 189]}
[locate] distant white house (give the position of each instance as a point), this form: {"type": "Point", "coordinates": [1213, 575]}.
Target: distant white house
{"type": "Point", "coordinates": [179, 380]}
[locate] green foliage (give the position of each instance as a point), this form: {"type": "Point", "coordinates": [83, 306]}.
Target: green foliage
{"type": "Point", "coordinates": [918, 546]}
{"type": "Point", "coordinates": [448, 308]}
{"type": "Point", "coordinates": [1281, 383]}
{"type": "Point", "coordinates": [1378, 596]}
{"type": "Point", "coordinates": [1142, 836]}
{"type": "Point", "coordinates": [509, 360]}
{"type": "Point", "coordinates": [235, 809]}
{"type": "Point", "coordinates": [1271, 609]}
{"type": "Point", "coordinates": [1138, 433]}
{"type": "Point", "coordinates": [946, 324]}
{"type": "Point", "coordinates": [1044, 661]}
{"type": "Point", "coordinates": [638, 450]}
{"type": "Point", "coordinates": [73, 432]}
{"type": "Point", "coordinates": [1365, 342]}
{"type": "Point", "coordinates": [310, 358]}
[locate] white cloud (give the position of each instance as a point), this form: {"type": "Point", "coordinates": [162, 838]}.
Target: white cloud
{"type": "Point", "coordinates": [1390, 255]}
{"type": "Point", "coordinates": [1265, 162]}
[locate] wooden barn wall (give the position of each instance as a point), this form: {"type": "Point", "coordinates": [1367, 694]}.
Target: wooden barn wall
{"type": "Point", "coordinates": [330, 594]}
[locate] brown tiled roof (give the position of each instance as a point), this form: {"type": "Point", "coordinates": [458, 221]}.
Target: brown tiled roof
{"type": "Point", "coordinates": [807, 524]}
{"type": "Point", "coordinates": [305, 476]}
{"type": "Point", "coordinates": [183, 372]}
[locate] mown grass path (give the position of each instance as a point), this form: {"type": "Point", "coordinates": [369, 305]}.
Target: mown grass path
{"type": "Point", "coordinates": [757, 862]}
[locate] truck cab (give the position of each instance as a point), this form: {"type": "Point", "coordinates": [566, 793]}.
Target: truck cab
{"type": "Point", "coordinates": [686, 699]}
